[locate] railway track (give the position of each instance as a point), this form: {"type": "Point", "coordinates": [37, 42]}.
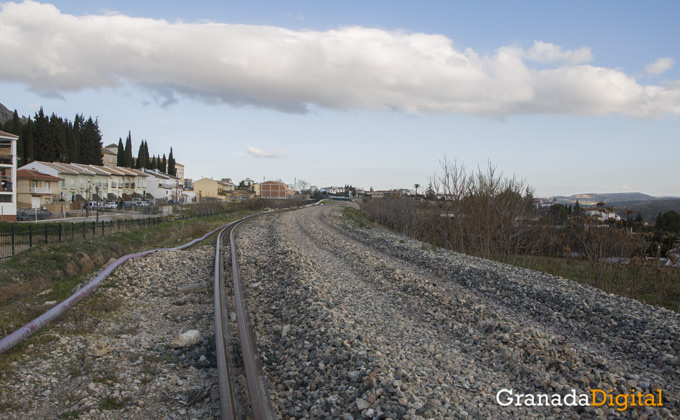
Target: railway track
{"type": "Point", "coordinates": [232, 405]}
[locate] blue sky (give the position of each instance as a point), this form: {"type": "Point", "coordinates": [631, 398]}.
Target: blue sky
{"type": "Point", "coordinates": [573, 96]}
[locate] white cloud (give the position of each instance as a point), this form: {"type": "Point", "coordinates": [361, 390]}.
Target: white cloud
{"type": "Point", "coordinates": [291, 71]}
{"type": "Point", "coordinates": [254, 151]}
{"type": "Point", "coordinates": [660, 66]}
{"type": "Point", "coordinates": [543, 52]}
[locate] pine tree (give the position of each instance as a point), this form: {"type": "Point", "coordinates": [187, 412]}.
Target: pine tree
{"type": "Point", "coordinates": [28, 142]}
{"type": "Point", "coordinates": [90, 143]}
{"type": "Point", "coordinates": [43, 141]}
{"type": "Point", "coordinates": [120, 157]}
{"type": "Point", "coordinates": [58, 138]}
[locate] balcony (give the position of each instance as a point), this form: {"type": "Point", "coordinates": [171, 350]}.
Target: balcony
{"type": "Point", "coordinates": [35, 190]}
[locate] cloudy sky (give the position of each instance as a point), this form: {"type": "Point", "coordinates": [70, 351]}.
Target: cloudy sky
{"type": "Point", "coordinates": [574, 97]}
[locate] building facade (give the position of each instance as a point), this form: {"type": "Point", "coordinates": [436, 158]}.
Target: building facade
{"type": "Point", "coordinates": [8, 176]}
{"type": "Point", "coordinates": [275, 189]}
{"type": "Point", "coordinates": [36, 189]}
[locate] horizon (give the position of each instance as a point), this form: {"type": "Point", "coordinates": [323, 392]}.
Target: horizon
{"type": "Point", "coordinates": [371, 95]}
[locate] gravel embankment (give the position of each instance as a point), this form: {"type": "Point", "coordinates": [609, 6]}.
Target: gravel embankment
{"type": "Point", "coordinates": [118, 362]}
{"type": "Point", "coordinates": [358, 323]}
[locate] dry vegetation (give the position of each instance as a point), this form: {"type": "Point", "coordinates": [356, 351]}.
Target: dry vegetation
{"type": "Point", "coordinates": [485, 214]}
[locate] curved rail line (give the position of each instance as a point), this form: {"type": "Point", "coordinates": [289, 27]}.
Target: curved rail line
{"type": "Point", "coordinates": [260, 403]}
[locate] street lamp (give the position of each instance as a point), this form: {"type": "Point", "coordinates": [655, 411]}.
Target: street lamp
{"type": "Point", "coordinates": [97, 191]}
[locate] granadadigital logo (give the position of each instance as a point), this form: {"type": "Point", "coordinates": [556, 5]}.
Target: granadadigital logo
{"type": "Point", "coordinates": [596, 398]}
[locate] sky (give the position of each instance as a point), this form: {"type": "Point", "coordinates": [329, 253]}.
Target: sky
{"type": "Point", "coordinates": [572, 97]}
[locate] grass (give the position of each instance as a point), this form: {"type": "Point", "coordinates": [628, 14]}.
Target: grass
{"type": "Point", "coordinates": [649, 284]}
{"type": "Point", "coordinates": [58, 268]}
{"type": "Point", "coordinates": [356, 218]}
{"type": "Point", "coordinates": [112, 403]}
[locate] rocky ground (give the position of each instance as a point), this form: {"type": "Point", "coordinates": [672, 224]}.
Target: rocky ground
{"type": "Point", "coordinates": [351, 323]}
{"type": "Point", "coordinates": [118, 355]}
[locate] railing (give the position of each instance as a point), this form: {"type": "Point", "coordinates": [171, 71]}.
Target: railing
{"type": "Point", "coordinates": [35, 190]}
{"type": "Point", "coordinates": [24, 237]}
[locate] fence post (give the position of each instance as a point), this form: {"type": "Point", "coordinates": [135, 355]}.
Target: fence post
{"type": "Point", "coordinates": [94, 229]}
{"type": "Point", "coordinates": [84, 231]}
{"type": "Point", "coordinates": [73, 231]}
{"type": "Point", "coordinates": [45, 232]}
{"type": "Point", "coordinates": [30, 236]}
{"type": "Point", "coordinates": [12, 240]}
{"type": "Point", "coordinates": [102, 228]}
{"type": "Point", "coordinates": [59, 232]}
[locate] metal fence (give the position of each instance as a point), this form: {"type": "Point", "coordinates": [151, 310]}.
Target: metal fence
{"type": "Point", "coordinates": [21, 239]}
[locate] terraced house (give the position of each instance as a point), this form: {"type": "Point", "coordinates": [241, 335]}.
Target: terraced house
{"type": "Point", "coordinates": [36, 189]}
{"type": "Point", "coordinates": [82, 183]}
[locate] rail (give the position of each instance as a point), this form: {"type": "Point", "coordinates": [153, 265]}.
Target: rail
{"type": "Point", "coordinates": [256, 381]}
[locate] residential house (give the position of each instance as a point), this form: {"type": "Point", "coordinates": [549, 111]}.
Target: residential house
{"type": "Point", "coordinates": [227, 185]}
{"type": "Point", "coordinates": [179, 168]}
{"type": "Point", "coordinates": [162, 186]}
{"type": "Point", "coordinates": [602, 215]}
{"type": "Point", "coordinates": [36, 189]}
{"type": "Point", "coordinates": [110, 155]}
{"type": "Point", "coordinates": [116, 182]}
{"type": "Point", "coordinates": [274, 189]}
{"type": "Point", "coordinates": [206, 188]}
{"type": "Point", "coordinates": [75, 182]}
{"type": "Point", "coordinates": [98, 189]}
{"type": "Point", "coordinates": [8, 176]}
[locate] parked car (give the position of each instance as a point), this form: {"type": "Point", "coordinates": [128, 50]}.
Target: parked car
{"type": "Point", "coordinates": [92, 204]}
{"type": "Point", "coordinates": [110, 205]}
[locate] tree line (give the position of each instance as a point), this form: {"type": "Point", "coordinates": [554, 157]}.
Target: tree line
{"type": "Point", "coordinates": [143, 160]}
{"type": "Point", "coordinates": [56, 139]}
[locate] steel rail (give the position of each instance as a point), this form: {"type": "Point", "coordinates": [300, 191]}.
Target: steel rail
{"type": "Point", "coordinates": [229, 408]}
{"type": "Point", "coordinates": [256, 380]}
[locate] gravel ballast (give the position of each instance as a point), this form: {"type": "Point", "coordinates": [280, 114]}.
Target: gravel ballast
{"type": "Point", "coordinates": [364, 323]}
{"type": "Point", "coordinates": [351, 323]}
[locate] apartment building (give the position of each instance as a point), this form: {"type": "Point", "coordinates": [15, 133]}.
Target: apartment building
{"type": "Point", "coordinates": [8, 176]}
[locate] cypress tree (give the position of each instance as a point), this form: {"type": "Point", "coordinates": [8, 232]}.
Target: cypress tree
{"type": "Point", "coordinates": [120, 157]}
{"type": "Point", "coordinates": [77, 125]}
{"type": "Point", "coordinates": [164, 165]}
{"type": "Point", "coordinates": [128, 151]}
{"type": "Point", "coordinates": [171, 164]}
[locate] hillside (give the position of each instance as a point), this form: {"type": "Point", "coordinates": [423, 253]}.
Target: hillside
{"type": "Point", "coordinates": [5, 114]}
{"type": "Point", "coordinates": [647, 205]}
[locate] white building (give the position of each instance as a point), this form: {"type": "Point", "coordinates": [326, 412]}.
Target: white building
{"type": "Point", "coordinates": [8, 176]}
{"type": "Point", "coordinates": [163, 186]}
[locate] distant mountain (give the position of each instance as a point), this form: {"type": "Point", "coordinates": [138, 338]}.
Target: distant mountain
{"type": "Point", "coordinates": [647, 205]}
{"type": "Point", "coordinates": [5, 114]}
{"type": "Point", "coordinates": [609, 199]}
